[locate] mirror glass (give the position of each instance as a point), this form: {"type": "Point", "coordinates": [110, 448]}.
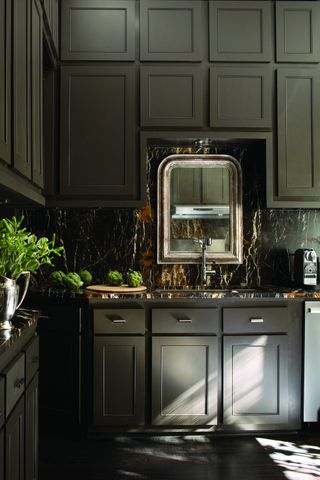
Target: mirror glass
{"type": "Point", "coordinates": [199, 197]}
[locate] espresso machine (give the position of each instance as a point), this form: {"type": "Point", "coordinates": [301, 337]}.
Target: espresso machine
{"type": "Point", "coordinates": [305, 268]}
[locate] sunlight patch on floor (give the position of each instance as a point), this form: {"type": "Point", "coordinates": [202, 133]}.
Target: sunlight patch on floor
{"type": "Point", "coordinates": [299, 462]}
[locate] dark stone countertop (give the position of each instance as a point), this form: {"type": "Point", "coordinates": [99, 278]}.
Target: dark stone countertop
{"type": "Point", "coordinates": [267, 292]}
{"type": "Point", "coordinates": [23, 319]}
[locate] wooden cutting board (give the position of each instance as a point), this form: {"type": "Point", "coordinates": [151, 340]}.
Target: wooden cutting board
{"type": "Point", "coordinates": [118, 289]}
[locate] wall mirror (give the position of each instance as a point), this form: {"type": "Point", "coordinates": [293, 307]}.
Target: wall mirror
{"type": "Point", "coordinates": [199, 197]}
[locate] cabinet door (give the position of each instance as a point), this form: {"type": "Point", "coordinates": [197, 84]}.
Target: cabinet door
{"type": "Point", "coordinates": [5, 80]}
{"type": "Point", "coordinates": [98, 156]}
{"type": "Point", "coordinates": [298, 139]}
{"type": "Point", "coordinates": [182, 23]}
{"type": "Point", "coordinates": [21, 87]}
{"type": "Point", "coordinates": [2, 454]}
{"type": "Point", "coordinates": [184, 381]}
{"type": "Point", "coordinates": [215, 186]}
{"type": "Point", "coordinates": [185, 186]}
{"type": "Point", "coordinates": [240, 31]}
{"type": "Point", "coordinates": [171, 96]}
{"type": "Point", "coordinates": [36, 93]}
{"type": "Point", "coordinates": [98, 30]}
{"type": "Point", "coordinates": [14, 444]}
{"type": "Point", "coordinates": [302, 17]}
{"type": "Point", "coordinates": [255, 381]}
{"type": "Point", "coordinates": [55, 24]}
{"type": "Point", "coordinates": [31, 425]}
{"type": "Point", "coordinates": [240, 97]}
{"type": "Point", "coordinates": [119, 380]}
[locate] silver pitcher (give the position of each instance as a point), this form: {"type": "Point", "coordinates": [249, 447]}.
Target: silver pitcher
{"type": "Point", "coordinates": [9, 299]}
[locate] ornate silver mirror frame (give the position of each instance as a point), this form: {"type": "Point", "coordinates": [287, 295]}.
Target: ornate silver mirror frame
{"type": "Point", "coordinates": [165, 254]}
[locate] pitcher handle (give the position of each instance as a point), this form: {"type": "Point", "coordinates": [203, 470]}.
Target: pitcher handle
{"type": "Point", "coordinates": [26, 285]}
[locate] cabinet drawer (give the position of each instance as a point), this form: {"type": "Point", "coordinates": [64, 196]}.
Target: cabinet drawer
{"type": "Point", "coordinates": [15, 382]}
{"type": "Point", "coordinates": [255, 320]}
{"type": "Point", "coordinates": [119, 321]}
{"type": "Point", "coordinates": [32, 358]}
{"type": "Point", "coordinates": [2, 403]}
{"type": "Point", "coordinates": [184, 320]}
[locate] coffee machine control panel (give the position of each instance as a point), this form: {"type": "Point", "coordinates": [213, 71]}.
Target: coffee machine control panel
{"type": "Point", "coordinates": [305, 267]}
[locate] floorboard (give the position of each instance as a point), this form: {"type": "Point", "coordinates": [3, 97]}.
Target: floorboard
{"type": "Point", "coordinates": [183, 457]}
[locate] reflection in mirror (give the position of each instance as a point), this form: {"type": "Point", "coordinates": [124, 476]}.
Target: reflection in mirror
{"type": "Point", "coordinates": [199, 198]}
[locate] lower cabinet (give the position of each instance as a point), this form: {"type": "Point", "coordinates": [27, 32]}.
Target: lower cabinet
{"type": "Point", "coordinates": [184, 380]}
{"type": "Point", "coordinates": [119, 379]}
{"type": "Point", "coordinates": [255, 386]}
{"type": "Point", "coordinates": [31, 430]}
{"type": "Point", "coordinates": [14, 443]}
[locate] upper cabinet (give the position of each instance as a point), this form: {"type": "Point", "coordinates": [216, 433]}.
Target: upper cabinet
{"type": "Point", "coordinates": [295, 177]}
{"type": "Point", "coordinates": [297, 31]}
{"type": "Point", "coordinates": [240, 96]}
{"type": "Point", "coordinates": [99, 162]}
{"type": "Point", "coordinates": [98, 30]}
{"type": "Point", "coordinates": [240, 31]}
{"type": "Point", "coordinates": [171, 30]}
{"type": "Point", "coordinates": [171, 96]}
{"type": "Point", "coordinates": [5, 80]}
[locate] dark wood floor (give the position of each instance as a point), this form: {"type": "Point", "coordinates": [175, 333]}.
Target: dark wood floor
{"type": "Point", "coordinates": [185, 457]}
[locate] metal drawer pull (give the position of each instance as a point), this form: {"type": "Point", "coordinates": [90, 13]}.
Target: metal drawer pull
{"type": "Point", "coordinates": [116, 319]}
{"type": "Point", "coordinates": [184, 320]}
{"type": "Point", "coordinates": [256, 320]}
{"type": "Point", "coordinates": [19, 382]}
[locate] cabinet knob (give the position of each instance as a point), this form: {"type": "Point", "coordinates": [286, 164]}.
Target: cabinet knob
{"type": "Point", "coordinates": [19, 382]}
{"type": "Point", "coordinates": [256, 320]}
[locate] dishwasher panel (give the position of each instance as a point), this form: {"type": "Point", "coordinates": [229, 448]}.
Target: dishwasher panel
{"type": "Point", "coordinates": [311, 387]}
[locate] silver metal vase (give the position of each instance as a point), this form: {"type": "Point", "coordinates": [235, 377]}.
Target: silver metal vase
{"type": "Point", "coordinates": [9, 299]}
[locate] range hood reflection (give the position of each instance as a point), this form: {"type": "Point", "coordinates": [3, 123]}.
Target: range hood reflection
{"type": "Point", "coordinates": [189, 212]}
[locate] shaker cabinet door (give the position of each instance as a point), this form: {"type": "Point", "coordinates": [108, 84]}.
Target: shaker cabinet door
{"type": "Point", "coordinates": [32, 426]}
{"type": "Point", "coordinates": [5, 80]}
{"type": "Point", "coordinates": [184, 381]}
{"type": "Point", "coordinates": [119, 380]}
{"type": "Point", "coordinates": [298, 92]}
{"type": "Point", "coordinates": [255, 381]}
{"type": "Point", "coordinates": [15, 443]}
{"type": "Point", "coordinates": [297, 31]}
{"type": "Point", "coordinates": [98, 153]}
{"type": "Point", "coordinates": [2, 454]}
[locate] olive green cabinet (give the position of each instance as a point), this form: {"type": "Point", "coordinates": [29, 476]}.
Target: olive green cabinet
{"type": "Point", "coordinates": [21, 88]}
{"type": "Point", "coordinates": [172, 96]}
{"type": "Point", "coordinates": [296, 172]}
{"type": "Point", "coordinates": [51, 19]}
{"type": "Point", "coordinates": [118, 367]}
{"type": "Point", "coordinates": [31, 430]}
{"type": "Point", "coordinates": [15, 443]}
{"type": "Point", "coordinates": [5, 80]}
{"type": "Point", "coordinates": [256, 368]}
{"type": "Point", "coordinates": [241, 96]}
{"type": "Point", "coordinates": [297, 31]}
{"type": "Point", "coordinates": [182, 22]}
{"type": "Point", "coordinates": [98, 30]}
{"type": "Point", "coordinates": [240, 31]}
{"type": "Point", "coordinates": [99, 164]}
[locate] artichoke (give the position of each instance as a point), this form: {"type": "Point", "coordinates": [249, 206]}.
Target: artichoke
{"type": "Point", "coordinates": [85, 276]}
{"type": "Point", "coordinates": [57, 277]}
{"type": "Point", "coordinates": [114, 277]}
{"type": "Point", "coordinates": [73, 281]}
{"type": "Point", "coordinates": [134, 278]}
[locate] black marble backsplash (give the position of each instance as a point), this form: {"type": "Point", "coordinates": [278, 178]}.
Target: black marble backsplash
{"type": "Point", "coordinates": [103, 239]}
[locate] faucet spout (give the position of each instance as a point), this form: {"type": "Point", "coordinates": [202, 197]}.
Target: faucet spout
{"type": "Point", "coordinates": [206, 242]}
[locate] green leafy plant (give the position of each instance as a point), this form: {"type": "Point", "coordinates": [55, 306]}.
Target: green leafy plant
{"type": "Point", "coordinates": [21, 250]}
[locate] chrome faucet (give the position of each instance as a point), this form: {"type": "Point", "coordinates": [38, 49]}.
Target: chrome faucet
{"type": "Point", "coordinates": [204, 243]}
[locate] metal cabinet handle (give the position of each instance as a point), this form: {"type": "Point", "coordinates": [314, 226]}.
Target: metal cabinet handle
{"type": "Point", "coordinates": [314, 310]}
{"type": "Point", "coordinates": [19, 382]}
{"type": "Point", "coordinates": [184, 320]}
{"type": "Point", "coordinates": [256, 320]}
{"type": "Point", "coordinates": [116, 319]}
